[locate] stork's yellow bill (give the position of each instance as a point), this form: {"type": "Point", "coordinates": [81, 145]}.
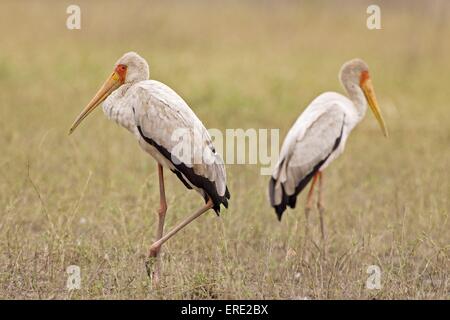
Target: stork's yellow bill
{"type": "Point", "coordinates": [116, 79]}
{"type": "Point", "coordinates": [367, 87]}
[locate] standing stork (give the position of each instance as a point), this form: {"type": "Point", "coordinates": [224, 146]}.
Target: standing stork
{"type": "Point", "coordinates": [318, 137]}
{"type": "Point", "coordinates": [170, 132]}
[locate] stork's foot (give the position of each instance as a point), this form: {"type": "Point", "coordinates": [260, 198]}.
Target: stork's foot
{"type": "Point", "coordinates": [152, 264]}
{"type": "Point", "coordinates": [149, 264]}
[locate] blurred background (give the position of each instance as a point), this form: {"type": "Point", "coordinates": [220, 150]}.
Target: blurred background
{"type": "Point", "coordinates": [90, 199]}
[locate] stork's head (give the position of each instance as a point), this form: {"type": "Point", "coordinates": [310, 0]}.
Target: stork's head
{"type": "Point", "coordinates": [355, 76]}
{"type": "Point", "coordinates": [130, 68]}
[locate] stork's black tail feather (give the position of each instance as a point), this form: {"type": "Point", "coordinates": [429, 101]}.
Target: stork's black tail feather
{"type": "Point", "coordinates": [286, 200]}
{"type": "Point", "coordinates": [279, 209]}
{"type": "Point", "coordinates": [218, 200]}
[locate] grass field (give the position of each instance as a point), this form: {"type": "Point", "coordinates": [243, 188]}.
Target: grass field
{"type": "Point", "coordinates": [91, 199]}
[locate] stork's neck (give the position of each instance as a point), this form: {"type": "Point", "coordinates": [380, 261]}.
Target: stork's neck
{"type": "Point", "coordinates": [116, 108]}
{"type": "Point", "coordinates": [356, 95]}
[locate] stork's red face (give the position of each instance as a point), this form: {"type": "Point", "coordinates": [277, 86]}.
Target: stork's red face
{"type": "Point", "coordinates": [364, 77]}
{"type": "Point", "coordinates": [116, 79]}
{"type": "Point", "coordinates": [366, 85]}
{"type": "Point", "coordinates": [121, 70]}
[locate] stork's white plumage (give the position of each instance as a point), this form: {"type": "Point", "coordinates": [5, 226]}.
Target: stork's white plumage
{"type": "Point", "coordinates": [169, 131]}
{"type": "Point", "coordinates": [162, 121]}
{"type": "Point", "coordinates": [319, 136]}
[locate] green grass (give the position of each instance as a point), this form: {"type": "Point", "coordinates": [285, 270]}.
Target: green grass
{"type": "Point", "coordinates": [91, 199]}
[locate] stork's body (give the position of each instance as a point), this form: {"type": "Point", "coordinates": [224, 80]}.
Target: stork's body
{"type": "Point", "coordinates": [160, 120]}
{"type": "Point", "coordinates": [169, 131]}
{"type": "Point", "coordinates": [318, 137]}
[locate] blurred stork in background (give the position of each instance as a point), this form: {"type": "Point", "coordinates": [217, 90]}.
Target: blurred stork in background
{"type": "Point", "coordinates": [153, 112]}
{"type": "Point", "coordinates": [318, 137]}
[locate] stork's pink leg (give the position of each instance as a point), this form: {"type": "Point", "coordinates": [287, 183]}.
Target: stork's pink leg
{"type": "Point", "coordinates": [157, 245]}
{"type": "Point", "coordinates": [162, 204]}
{"type": "Point", "coordinates": [320, 205]}
{"type": "Point", "coordinates": [309, 204]}
{"type": "Point", "coordinates": [155, 255]}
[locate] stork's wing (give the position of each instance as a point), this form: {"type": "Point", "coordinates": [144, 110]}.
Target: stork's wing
{"type": "Point", "coordinates": [166, 122]}
{"type": "Point", "coordinates": [309, 144]}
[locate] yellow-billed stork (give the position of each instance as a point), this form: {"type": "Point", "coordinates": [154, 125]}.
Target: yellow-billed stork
{"type": "Point", "coordinates": [319, 136]}
{"type": "Point", "coordinates": [170, 132]}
